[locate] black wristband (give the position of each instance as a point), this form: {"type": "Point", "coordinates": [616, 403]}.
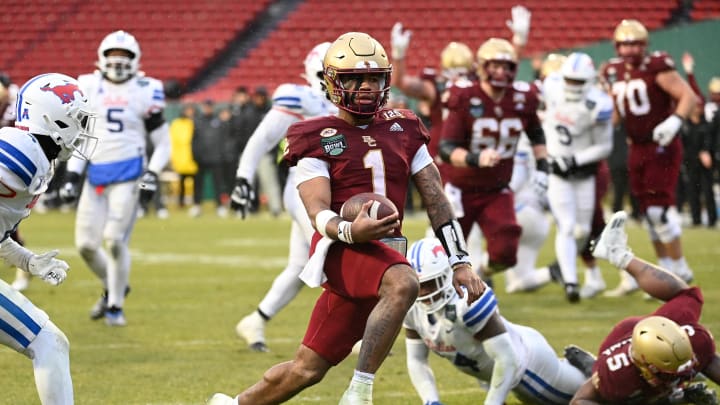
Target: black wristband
{"type": "Point", "coordinates": [542, 165]}
{"type": "Point", "coordinates": [472, 159]}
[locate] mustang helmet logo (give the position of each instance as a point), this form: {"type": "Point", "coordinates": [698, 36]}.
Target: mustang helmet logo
{"type": "Point", "coordinates": [66, 92]}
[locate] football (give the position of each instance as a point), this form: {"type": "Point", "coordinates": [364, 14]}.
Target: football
{"type": "Point", "coordinates": [381, 208]}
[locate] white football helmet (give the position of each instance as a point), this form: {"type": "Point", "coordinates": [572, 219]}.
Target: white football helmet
{"type": "Point", "coordinates": [119, 68]}
{"type": "Point", "coordinates": [314, 67]}
{"type": "Point", "coordinates": [429, 260]}
{"type": "Point", "coordinates": [579, 73]}
{"type": "Point", "coordinates": [52, 104]}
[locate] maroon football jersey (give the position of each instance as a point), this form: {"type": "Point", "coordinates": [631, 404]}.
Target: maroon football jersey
{"type": "Point", "coordinates": [476, 122]}
{"type": "Point", "coordinates": [619, 381]}
{"type": "Point", "coordinates": [640, 100]}
{"type": "Point", "coordinates": [372, 159]}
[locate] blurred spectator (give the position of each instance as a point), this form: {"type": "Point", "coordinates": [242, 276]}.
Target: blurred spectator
{"type": "Point", "coordinates": [173, 90]}
{"type": "Point", "coordinates": [697, 176]}
{"type": "Point", "coordinates": [239, 132]}
{"type": "Point", "coordinates": [8, 95]}
{"type": "Point", "coordinates": [617, 161]}
{"type": "Point", "coordinates": [181, 155]}
{"type": "Point", "coordinates": [209, 133]}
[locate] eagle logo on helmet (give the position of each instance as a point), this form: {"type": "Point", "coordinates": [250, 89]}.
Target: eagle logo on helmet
{"type": "Point", "coordinates": [66, 92]}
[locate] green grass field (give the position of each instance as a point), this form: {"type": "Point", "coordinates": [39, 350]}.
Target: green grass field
{"type": "Point", "coordinates": [193, 279]}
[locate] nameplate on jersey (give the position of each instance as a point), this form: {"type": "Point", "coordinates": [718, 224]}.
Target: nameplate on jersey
{"type": "Point", "coordinates": [476, 107]}
{"type": "Point", "coordinates": [103, 174]}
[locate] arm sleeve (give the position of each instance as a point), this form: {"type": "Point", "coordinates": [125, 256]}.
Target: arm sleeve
{"type": "Point", "coordinates": [269, 132]}
{"type": "Point", "coordinates": [309, 168]}
{"type": "Point", "coordinates": [421, 375]}
{"type": "Point", "coordinates": [421, 159]}
{"type": "Point", "coordinates": [15, 254]}
{"type": "Point", "coordinates": [160, 137]}
{"type": "Point", "coordinates": [602, 135]}
{"type": "Point", "coordinates": [506, 366]}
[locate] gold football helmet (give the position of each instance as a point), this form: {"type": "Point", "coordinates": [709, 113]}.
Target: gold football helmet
{"type": "Point", "coordinates": [354, 54]}
{"type": "Point", "coordinates": [661, 350]}
{"type": "Point", "coordinates": [456, 59]}
{"type": "Point", "coordinates": [631, 32]}
{"type": "Point", "coordinates": [552, 63]}
{"type": "Point", "coordinates": [497, 50]}
{"type": "Point", "coordinates": [714, 85]}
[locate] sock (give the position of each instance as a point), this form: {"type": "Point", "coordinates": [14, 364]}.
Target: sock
{"type": "Point", "coordinates": [363, 378]}
{"type": "Point", "coordinates": [262, 315]}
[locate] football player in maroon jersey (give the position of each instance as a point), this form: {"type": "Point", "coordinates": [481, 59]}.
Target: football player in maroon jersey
{"type": "Point", "coordinates": [368, 285]}
{"type": "Point", "coordinates": [650, 358]}
{"type": "Point", "coordinates": [652, 100]}
{"type": "Point", "coordinates": [479, 140]}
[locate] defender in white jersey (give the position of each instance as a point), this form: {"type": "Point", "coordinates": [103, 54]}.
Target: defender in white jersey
{"type": "Point", "coordinates": [476, 339]}
{"type": "Point", "coordinates": [53, 122]}
{"type": "Point", "coordinates": [578, 132]}
{"type": "Point", "coordinates": [291, 103]}
{"type": "Point", "coordinates": [530, 212]}
{"type": "Point", "coordinates": [130, 109]}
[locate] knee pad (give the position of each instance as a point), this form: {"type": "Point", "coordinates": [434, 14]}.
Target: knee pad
{"type": "Point", "coordinates": [665, 223]}
{"type": "Point", "coordinates": [115, 247]}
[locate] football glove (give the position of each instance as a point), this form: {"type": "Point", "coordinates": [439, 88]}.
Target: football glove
{"type": "Point", "coordinates": [700, 394]}
{"type": "Point", "coordinates": [70, 188]}
{"type": "Point", "coordinates": [563, 166]}
{"type": "Point", "coordinates": [48, 268]}
{"type": "Point", "coordinates": [242, 196]}
{"type": "Point", "coordinates": [148, 186]}
{"type": "Point", "coordinates": [399, 40]}
{"type": "Point", "coordinates": [519, 25]}
{"type": "Point", "coordinates": [665, 131]}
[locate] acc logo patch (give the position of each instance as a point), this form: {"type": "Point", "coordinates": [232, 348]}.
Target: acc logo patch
{"type": "Point", "coordinates": [476, 107]}
{"type": "Point", "coordinates": [333, 145]}
{"type": "Point", "coordinates": [327, 132]}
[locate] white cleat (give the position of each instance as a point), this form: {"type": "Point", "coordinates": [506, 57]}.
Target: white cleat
{"type": "Point", "coordinates": [22, 281]}
{"type": "Point", "coordinates": [115, 317]}
{"type": "Point", "coordinates": [221, 399]}
{"type": "Point", "coordinates": [252, 329]}
{"type": "Point", "coordinates": [357, 394]}
{"type": "Point", "coordinates": [684, 273]}
{"type": "Point", "coordinates": [612, 243]}
{"type": "Point", "coordinates": [592, 288]}
{"type": "Point", "coordinates": [627, 286]}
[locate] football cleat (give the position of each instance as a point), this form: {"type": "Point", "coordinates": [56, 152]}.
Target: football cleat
{"type": "Point", "coordinates": [98, 310]}
{"type": "Point", "coordinates": [594, 284]}
{"type": "Point", "coordinates": [572, 292]}
{"type": "Point", "coordinates": [627, 286]}
{"type": "Point", "coordinates": [357, 394]}
{"type": "Point", "coordinates": [252, 329]}
{"type": "Point", "coordinates": [115, 316]}
{"type": "Point", "coordinates": [221, 399]}
{"type": "Point", "coordinates": [580, 359]}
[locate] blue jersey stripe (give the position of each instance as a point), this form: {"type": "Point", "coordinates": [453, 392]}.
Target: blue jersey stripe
{"type": "Point", "coordinates": [288, 102]}
{"type": "Point", "coordinates": [12, 165]}
{"type": "Point", "coordinates": [481, 309]}
{"type": "Point", "coordinates": [20, 156]}
{"type": "Point", "coordinates": [14, 333]}
{"type": "Point", "coordinates": [545, 385]}
{"type": "Point", "coordinates": [21, 316]}
{"type": "Point", "coordinates": [542, 398]}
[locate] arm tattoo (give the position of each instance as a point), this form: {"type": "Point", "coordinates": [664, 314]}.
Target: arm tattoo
{"type": "Point", "coordinates": [429, 186]}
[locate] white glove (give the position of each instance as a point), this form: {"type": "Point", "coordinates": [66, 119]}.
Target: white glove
{"type": "Point", "coordinates": [665, 131]}
{"type": "Point", "coordinates": [399, 41]}
{"type": "Point", "coordinates": [48, 268]}
{"type": "Point", "coordinates": [519, 25]}
{"type": "Point", "coordinates": [540, 184]}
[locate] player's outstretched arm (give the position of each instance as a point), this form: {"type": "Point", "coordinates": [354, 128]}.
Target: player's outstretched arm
{"type": "Point", "coordinates": [586, 395]}
{"type": "Point", "coordinates": [421, 375]}
{"type": "Point", "coordinates": [447, 229]}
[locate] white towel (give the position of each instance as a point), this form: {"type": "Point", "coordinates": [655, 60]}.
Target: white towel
{"type": "Point", "coordinates": [312, 274]}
